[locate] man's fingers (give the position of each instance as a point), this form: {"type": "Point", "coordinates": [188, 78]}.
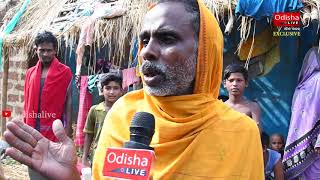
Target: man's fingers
{"type": "Point", "coordinates": [28, 129]}
{"type": "Point", "coordinates": [18, 143]}
{"type": "Point", "coordinates": [59, 131]}
{"type": "Point", "coordinates": [19, 156]}
{"type": "Point", "coordinates": [21, 133]}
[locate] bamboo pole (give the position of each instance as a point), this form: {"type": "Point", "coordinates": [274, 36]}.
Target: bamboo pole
{"type": "Point", "coordinates": [4, 93]}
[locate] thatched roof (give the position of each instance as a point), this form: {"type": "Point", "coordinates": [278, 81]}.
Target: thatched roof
{"type": "Point", "coordinates": [59, 16]}
{"type": "Point", "coordinates": [5, 5]}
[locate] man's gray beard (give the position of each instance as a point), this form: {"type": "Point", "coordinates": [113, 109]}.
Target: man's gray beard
{"type": "Point", "coordinates": [179, 78]}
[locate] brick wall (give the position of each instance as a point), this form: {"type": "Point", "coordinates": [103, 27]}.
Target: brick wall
{"type": "Point", "coordinates": [17, 70]}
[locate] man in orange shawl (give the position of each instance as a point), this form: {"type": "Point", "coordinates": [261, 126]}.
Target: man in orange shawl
{"type": "Point", "coordinates": [196, 135]}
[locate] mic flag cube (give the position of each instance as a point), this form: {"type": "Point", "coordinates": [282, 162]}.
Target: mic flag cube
{"type": "Point", "coordinates": [125, 163]}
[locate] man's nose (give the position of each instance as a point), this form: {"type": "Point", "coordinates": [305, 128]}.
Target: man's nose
{"type": "Point", "coordinates": [234, 83]}
{"type": "Point", "coordinates": [151, 51]}
{"type": "Point", "coordinates": [45, 53]}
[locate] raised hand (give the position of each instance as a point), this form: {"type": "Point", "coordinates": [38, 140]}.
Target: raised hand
{"type": "Point", "coordinates": [52, 160]}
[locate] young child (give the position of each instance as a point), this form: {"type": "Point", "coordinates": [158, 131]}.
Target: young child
{"type": "Point", "coordinates": [273, 167]}
{"type": "Point", "coordinates": [277, 143]}
{"type": "Point", "coordinates": [235, 80]}
{"type": "Point", "coordinates": [111, 85]}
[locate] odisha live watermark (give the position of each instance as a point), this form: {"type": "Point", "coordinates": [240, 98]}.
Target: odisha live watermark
{"type": "Point", "coordinates": [6, 113]}
{"type": "Point", "coordinates": [33, 115]}
{"type": "Point", "coordinates": [288, 23]}
{"type": "Point", "coordinates": [42, 115]}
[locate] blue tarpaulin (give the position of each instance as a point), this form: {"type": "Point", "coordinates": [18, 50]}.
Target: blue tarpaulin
{"type": "Point", "coordinates": [259, 9]}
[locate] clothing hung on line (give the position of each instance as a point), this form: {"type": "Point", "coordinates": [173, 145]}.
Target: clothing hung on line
{"type": "Point", "coordinates": [129, 77]}
{"type": "Point", "coordinates": [85, 102]}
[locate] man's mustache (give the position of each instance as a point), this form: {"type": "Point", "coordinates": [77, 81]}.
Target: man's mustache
{"type": "Point", "coordinates": [151, 68]}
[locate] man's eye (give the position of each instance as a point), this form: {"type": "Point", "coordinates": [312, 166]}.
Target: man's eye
{"type": "Point", "coordinates": [145, 42]}
{"type": "Point", "coordinates": [168, 39]}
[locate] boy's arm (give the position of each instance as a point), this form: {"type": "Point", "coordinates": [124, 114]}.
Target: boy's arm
{"type": "Point", "coordinates": [256, 114]}
{"type": "Point", "coordinates": [89, 131]}
{"type": "Point", "coordinates": [278, 171]}
{"type": "Point", "coordinates": [86, 147]}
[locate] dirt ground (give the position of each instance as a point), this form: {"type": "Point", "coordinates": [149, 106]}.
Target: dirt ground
{"type": "Point", "coordinates": [14, 170]}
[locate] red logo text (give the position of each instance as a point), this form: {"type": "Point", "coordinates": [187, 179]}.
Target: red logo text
{"type": "Point", "coordinates": [286, 19]}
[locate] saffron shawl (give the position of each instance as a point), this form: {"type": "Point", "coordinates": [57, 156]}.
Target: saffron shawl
{"type": "Point", "coordinates": [53, 96]}
{"type": "Point", "coordinates": [196, 136]}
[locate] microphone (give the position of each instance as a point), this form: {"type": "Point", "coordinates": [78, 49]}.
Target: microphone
{"type": "Point", "coordinates": [134, 160]}
{"type": "Point", "coordinates": [141, 131]}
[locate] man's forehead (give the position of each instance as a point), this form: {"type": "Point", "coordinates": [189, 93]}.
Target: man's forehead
{"type": "Point", "coordinates": [236, 75]}
{"type": "Point", "coordinates": [45, 45]}
{"type": "Point", "coordinates": [169, 14]}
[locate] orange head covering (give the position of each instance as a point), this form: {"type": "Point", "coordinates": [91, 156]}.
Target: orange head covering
{"type": "Point", "coordinates": [196, 136]}
{"type": "Point", "coordinates": [210, 54]}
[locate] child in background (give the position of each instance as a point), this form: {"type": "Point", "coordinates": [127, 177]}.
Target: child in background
{"type": "Point", "coordinates": [235, 80]}
{"type": "Point", "coordinates": [277, 143]}
{"type": "Point", "coordinates": [273, 167]}
{"type": "Point", "coordinates": [111, 87]}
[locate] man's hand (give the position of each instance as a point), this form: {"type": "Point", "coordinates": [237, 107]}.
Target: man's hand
{"type": "Point", "coordinates": [53, 160]}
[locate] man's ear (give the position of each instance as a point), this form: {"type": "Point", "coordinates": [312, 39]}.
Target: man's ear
{"type": "Point", "coordinates": [35, 48]}
{"type": "Point", "coordinates": [224, 83]}
{"type": "Point", "coordinates": [247, 83]}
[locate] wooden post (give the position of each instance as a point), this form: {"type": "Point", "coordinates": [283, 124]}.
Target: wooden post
{"type": "Point", "coordinates": [4, 92]}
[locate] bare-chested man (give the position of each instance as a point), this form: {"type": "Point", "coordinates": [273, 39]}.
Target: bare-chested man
{"type": "Point", "coordinates": [235, 80]}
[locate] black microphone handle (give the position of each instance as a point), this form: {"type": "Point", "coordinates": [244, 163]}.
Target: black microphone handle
{"type": "Point", "coordinates": [136, 145]}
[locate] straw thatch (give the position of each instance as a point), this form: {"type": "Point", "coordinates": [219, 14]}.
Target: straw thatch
{"type": "Point", "coordinates": [115, 32]}
{"type": "Point", "coordinates": [41, 15]}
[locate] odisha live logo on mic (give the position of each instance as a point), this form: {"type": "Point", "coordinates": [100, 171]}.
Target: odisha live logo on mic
{"type": "Point", "coordinates": [128, 163]}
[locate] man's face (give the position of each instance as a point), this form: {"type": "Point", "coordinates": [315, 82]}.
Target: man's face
{"type": "Point", "coordinates": [169, 50]}
{"type": "Point", "coordinates": [235, 84]}
{"type": "Point", "coordinates": [112, 91]}
{"type": "Point", "coordinates": [46, 52]}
